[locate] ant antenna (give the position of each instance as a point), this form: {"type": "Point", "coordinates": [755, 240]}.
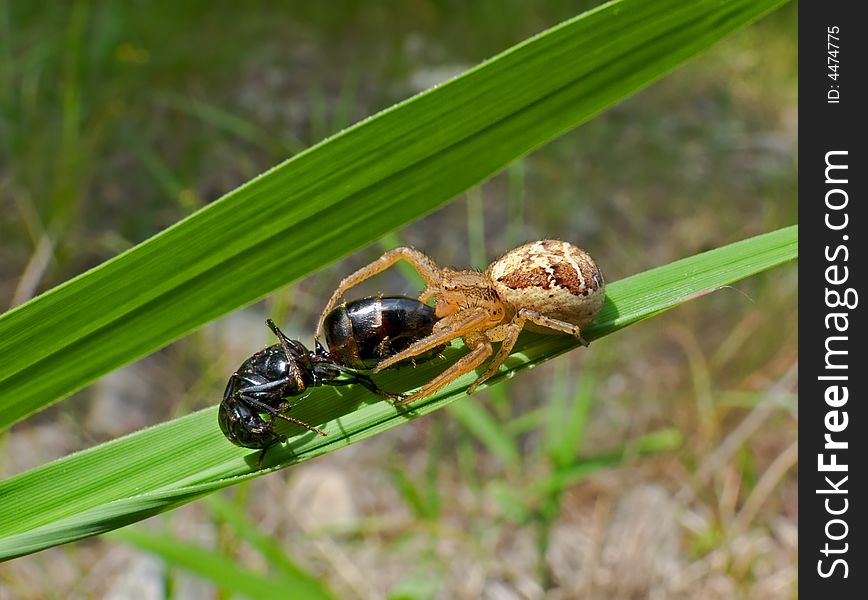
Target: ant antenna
{"type": "Point", "coordinates": [276, 330]}
{"type": "Point", "coordinates": [289, 345]}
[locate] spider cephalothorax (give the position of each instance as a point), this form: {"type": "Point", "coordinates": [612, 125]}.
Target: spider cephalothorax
{"type": "Point", "coordinates": [549, 285]}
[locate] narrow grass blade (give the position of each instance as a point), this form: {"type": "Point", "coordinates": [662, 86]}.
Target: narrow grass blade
{"type": "Point", "coordinates": [224, 572]}
{"type": "Point", "coordinates": [659, 441]}
{"type": "Point", "coordinates": [412, 495]}
{"type": "Point", "coordinates": [565, 431]}
{"type": "Point", "coordinates": [153, 470]}
{"type": "Point", "coordinates": [346, 192]}
{"type": "Point", "coordinates": [487, 430]}
{"type": "Point", "coordinates": [275, 556]}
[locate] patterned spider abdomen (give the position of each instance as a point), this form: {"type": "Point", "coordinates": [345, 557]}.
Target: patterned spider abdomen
{"type": "Point", "coordinates": [554, 278]}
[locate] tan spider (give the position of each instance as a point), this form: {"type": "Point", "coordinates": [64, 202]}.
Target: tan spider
{"type": "Point", "coordinates": [548, 286]}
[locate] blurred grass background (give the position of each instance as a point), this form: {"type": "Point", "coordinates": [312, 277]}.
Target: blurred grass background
{"type": "Point", "coordinates": [660, 463]}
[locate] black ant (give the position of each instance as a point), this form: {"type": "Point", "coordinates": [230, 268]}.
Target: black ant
{"type": "Point", "coordinates": [359, 335]}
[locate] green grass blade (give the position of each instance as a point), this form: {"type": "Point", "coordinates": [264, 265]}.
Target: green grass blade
{"type": "Point", "coordinates": [488, 431]}
{"type": "Point", "coordinates": [223, 571]}
{"type": "Point", "coordinates": [153, 470]}
{"type": "Point", "coordinates": [652, 443]}
{"type": "Point", "coordinates": [565, 427]}
{"type": "Point", "coordinates": [412, 495]}
{"type": "Point", "coordinates": [270, 550]}
{"type": "Point", "coordinates": [346, 192]}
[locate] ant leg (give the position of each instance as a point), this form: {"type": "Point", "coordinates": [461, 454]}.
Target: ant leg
{"type": "Point", "coordinates": [426, 267]}
{"type": "Point", "coordinates": [261, 456]}
{"type": "Point", "coordinates": [275, 414]}
{"type": "Point", "coordinates": [466, 364]}
{"type": "Point", "coordinates": [263, 453]}
{"type": "Point", "coordinates": [445, 330]}
{"type": "Point", "coordinates": [319, 349]}
{"type": "Point", "coordinates": [263, 387]}
{"type": "Point", "coordinates": [307, 426]}
{"type": "Point", "coordinates": [365, 382]}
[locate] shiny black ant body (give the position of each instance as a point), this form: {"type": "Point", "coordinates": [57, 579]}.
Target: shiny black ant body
{"type": "Point", "coordinates": [359, 335]}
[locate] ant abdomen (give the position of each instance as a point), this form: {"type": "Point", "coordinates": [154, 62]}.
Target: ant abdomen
{"type": "Point", "coordinates": [362, 333]}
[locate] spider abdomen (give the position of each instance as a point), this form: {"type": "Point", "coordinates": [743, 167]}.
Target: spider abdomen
{"type": "Point", "coordinates": [551, 277]}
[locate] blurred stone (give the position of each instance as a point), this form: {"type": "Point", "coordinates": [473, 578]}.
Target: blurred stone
{"type": "Point", "coordinates": [429, 77]}
{"type": "Point", "coordinates": [29, 446]}
{"type": "Point", "coordinates": [631, 554]}
{"type": "Point", "coordinates": [499, 590]}
{"type": "Point", "coordinates": [321, 497]}
{"type": "Point", "coordinates": [568, 556]}
{"type": "Point", "coordinates": [141, 579]}
{"type": "Point", "coordinates": [122, 401]}
{"type": "Point", "coordinates": [640, 551]}
{"type": "Point", "coordinates": [241, 333]}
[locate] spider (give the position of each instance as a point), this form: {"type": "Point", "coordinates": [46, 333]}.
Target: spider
{"type": "Point", "coordinates": [547, 286]}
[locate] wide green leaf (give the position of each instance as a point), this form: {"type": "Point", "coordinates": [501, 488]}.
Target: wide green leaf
{"type": "Point", "coordinates": [134, 477]}
{"type": "Point", "coordinates": [346, 192]}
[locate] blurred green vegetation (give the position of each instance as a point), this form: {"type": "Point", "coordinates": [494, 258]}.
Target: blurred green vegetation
{"type": "Point", "coordinates": [117, 119]}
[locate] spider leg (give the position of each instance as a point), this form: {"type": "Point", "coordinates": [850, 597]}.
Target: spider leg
{"type": "Point", "coordinates": [426, 267]}
{"type": "Point", "coordinates": [555, 324]}
{"type": "Point", "coordinates": [429, 292]}
{"type": "Point", "coordinates": [467, 363]}
{"type": "Point", "coordinates": [446, 330]}
{"type": "Point", "coordinates": [508, 335]}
